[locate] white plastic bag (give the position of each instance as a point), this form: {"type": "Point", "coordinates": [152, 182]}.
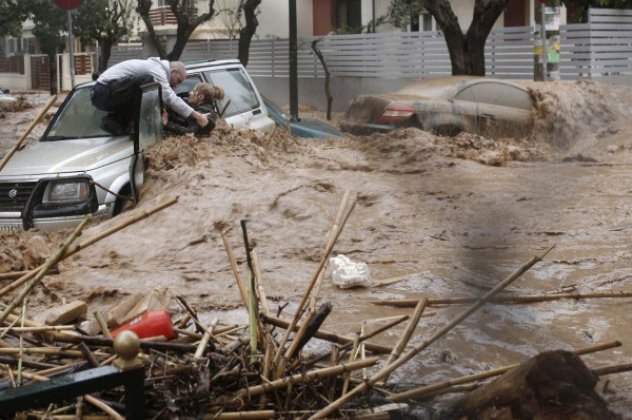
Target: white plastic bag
{"type": "Point", "coordinates": [346, 273]}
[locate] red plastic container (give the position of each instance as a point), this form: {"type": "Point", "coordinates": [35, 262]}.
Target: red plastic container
{"type": "Point", "coordinates": [149, 324]}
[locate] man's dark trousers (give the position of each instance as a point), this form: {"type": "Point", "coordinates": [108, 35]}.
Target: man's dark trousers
{"type": "Point", "coordinates": [119, 96]}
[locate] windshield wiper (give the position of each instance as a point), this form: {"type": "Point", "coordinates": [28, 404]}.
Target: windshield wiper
{"type": "Point", "coordinates": [53, 138]}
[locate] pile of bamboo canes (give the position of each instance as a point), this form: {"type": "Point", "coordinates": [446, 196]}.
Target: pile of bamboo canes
{"type": "Point", "coordinates": [254, 371]}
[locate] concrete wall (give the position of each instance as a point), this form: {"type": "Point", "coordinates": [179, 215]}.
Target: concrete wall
{"type": "Point", "coordinates": [312, 91]}
{"type": "Point", "coordinates": [275, 15]}
{"type": "Point", "coordinates": [16, 81]}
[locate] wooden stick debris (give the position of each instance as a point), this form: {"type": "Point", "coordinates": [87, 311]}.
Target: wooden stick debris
{"type": "Point", "coordinates": [332, 235]}
{"type": "Point", "coordinates": [326, 335]}
{"type": "Point", "coordinates": [102, 325]}
{"type": "Point", "coordinates": [13, 275]}
{"type": "Point", "coordinates": [47, 328]}
{"type": "Point", "coordinates": [243, 292]}
{"type": "Point", "coordinates": [52, 260]}
{"type": "Point", "coordinates": [363, 338]}
{"type": "Point", "coordinates": [507, 299]}
{"type": "Point", "coordinates": [392, 280]}
{"type": "Point", "coordinates": [241, 415]}
{"type": "Point", "coordinates": [408, 333]}
{"type": "Point", "coordinates": [70, 252]}
{"type": "Point", "coordinates": [303, 377]}
{"type": "Point", "coordinates": [299, 310]}
{"type": "Point", "coordinates": [17, 146]}
{"type": "Point", "coordinates": [608, 370]}
{"type": "Point", "coordinates": [263, 298]}
{"type": "Point", "coordinates": [432, 388]}
{"type": "Point", "coordinates": [387, 370]}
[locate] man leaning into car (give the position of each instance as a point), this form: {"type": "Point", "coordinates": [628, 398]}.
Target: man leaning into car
{"type": "Point", "coordinates": [116, 89]}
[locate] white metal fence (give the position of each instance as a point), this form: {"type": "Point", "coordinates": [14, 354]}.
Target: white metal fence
{"type": "Point", "coordinates": [600, 48]}
{"type": "Point", "coordinates": [391, 55]}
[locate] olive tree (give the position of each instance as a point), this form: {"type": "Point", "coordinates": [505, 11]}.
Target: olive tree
{"type": "Point", "coordinates": [466, 49]}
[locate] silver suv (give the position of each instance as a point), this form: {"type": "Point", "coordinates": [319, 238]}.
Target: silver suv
{"type": "Point", "coordinates": [76, 168]}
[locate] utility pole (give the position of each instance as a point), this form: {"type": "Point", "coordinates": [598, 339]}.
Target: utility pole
{"type": "Point", "coordinates": [293, 64]}
{"type": "Point", "coordinates": [71, 49]}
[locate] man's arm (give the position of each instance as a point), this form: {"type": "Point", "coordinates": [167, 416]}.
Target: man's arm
{"type": "Point", "coordinates": [201, 119]}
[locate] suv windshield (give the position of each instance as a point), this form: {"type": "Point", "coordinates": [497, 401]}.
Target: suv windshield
{"type": "Point", "coordinates": [237, 88]}
{"type": "Point", "coordinates": [77, 118]}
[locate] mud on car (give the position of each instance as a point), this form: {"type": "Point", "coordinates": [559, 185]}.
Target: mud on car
{"type": "Point", "coordinates": [76, 168]}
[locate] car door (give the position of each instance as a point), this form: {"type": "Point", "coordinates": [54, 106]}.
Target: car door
{"type": "Point", "coordinates": [148, 131]}
{"type": "Point", "coordinates": [242, 107]}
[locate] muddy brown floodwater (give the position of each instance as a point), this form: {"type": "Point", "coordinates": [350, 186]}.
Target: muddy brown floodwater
{"type": "Point", "coordinates": [462, 213]}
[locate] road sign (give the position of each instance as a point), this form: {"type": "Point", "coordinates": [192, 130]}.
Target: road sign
{"type": "Point", "coordinates": [68, 4]}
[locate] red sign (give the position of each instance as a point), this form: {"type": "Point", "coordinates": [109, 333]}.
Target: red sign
{"type": "Point", "coordinates": [68, 4]}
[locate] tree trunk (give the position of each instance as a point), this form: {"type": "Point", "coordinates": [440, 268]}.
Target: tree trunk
{"type": "Point", "coordinates": [467, 51]}
{"type": "Point", "coordinates": [466, 55]}
{"type": "Point", "coordinates": [248, 31]}
{"type": "Point", "coordinates": [143, 11]}
{"type": "Point", "coordinates": [105, 52]}
{"type": "Point", "coordinates": [183, 33]}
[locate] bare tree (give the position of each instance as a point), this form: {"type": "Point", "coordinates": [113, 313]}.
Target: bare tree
{"type": "Point", "coordinates": [247, 32]}
{"type": "Point", "coordinates": [321, 57]}
{"type": "Point", "coordinates": [187, 18]}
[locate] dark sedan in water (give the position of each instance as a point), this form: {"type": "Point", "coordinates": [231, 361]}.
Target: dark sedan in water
{"type": "Point", "coordinates": [445, 105]}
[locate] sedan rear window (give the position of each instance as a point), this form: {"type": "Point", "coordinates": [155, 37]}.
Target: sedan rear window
{"type": "Point", "coordinates": [237, 88]}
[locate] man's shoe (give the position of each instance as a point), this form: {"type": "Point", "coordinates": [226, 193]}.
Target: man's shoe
{"type": "Point", "coordinates": [113, 126]}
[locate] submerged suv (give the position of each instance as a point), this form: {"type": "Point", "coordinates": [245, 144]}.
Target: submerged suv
{"type": "Point", "coordinates": [76, 168]}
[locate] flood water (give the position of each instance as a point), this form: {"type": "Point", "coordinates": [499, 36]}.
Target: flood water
{"type": "Point", "coordinates": [433, 207]}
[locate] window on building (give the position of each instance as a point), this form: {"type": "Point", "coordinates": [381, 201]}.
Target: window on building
{"type": "Point", "coordinates": [427, 22]}
{"type": "Point", "coordinates": [349, 15]}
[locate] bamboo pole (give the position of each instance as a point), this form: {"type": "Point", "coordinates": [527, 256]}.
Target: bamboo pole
{"type": "Point", "coordinates": [299, 310]}
{"type": "Point", "coordinates": [52, 260]}
{"type": "Point", "coordinates": [263, 298]}
{"type": "Point", "coordinates": [372, 334]}
{"type": "Point", "coordinates": [233, 264]}
{"type": "Point", "coordinates": [332, 234]}
{"type": "Point", "coordinates": [47, 328]}
{"type": "Point", "coordinates": [387, 370]}
{"type": "Point", "coordinates": [392, 280]}
{"type": "Point", "coordinates": [17, 145]}
{"type": "Point", "coordinates": [507, 299]}
{"type": "Point", "coordinates": [199, 352]}
{"type": "Point", "coordinates": [280, 368]}
{"type": "Point", "coordinates": [21, 353]}
{"type": "Point", "coordinates": [140, 216]}
{"type": "Point", "coordinates": [352, 357]}
{"type": "Point", "coordinates": [50, 351]}
{"type": "Point", "coordinates": [241, 415]}
{"type": "Point", "coordinates": [433, 388]}
{"type": "Point", "coordinates": [102, 325]}
{"type": "Point", "coordinates": [608, 370]}
{"type": "Point", "coordinates": [408, 333]}
{"type": "Point", "coordinates": [103, 407]}
{"type": "Point", "coordinates": [304, 377]}
{"type": "Point", "coordinates": [326, 335]}
{"type": "Point", "coordinates": [13, 275]}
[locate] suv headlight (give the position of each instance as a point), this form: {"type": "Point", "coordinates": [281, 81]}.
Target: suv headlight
{"type": "Point", "coordinates": [66, 192]}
